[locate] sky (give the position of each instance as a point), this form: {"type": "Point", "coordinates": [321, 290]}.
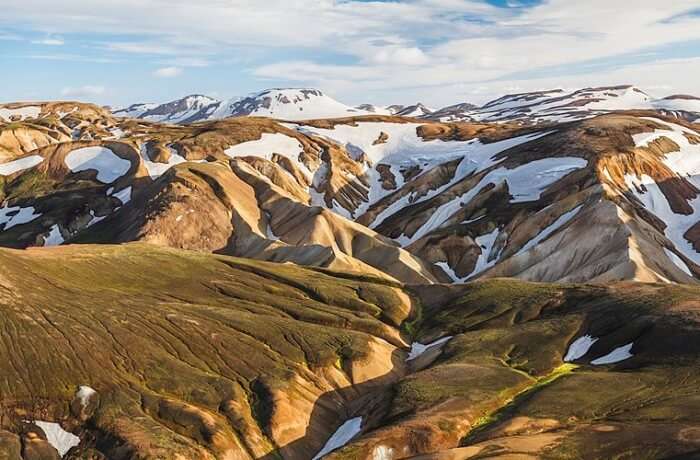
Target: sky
{"type": "Point", "coordinates": [439, 52]}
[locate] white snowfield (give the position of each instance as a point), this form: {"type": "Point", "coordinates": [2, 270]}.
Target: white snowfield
{"type": "Point", "coordinates": [30, 111]}
{"type": "Point", "coordinates": [679, 104]}
{"type": "Point", "coordinates": [342, 436]}
{"type": "Point", "coordinates": [579, 347]}
{"type": "Point", "coordinates": [267, 145]}
{"type": "Point", "coordinates": [418, 349]}
{"type": "Point", "coordinates": [20, 164]}
{"type": "Point", "coordinates": [15, 215]}
{"type": "Point", "coordinates": [108, 165]}
{"type": "Point", "coordinates": [404, 149]}
{"type": "Point", "coordinates": [686, 164]}
{"type": "Point", "coordinates": [525, 183]}
{"type": "Point", "coordinates": [60, 439]}
{"type": "Point", "coordinates": [618, 354]}
{"type": "Point", "coordinates": [288, 104]}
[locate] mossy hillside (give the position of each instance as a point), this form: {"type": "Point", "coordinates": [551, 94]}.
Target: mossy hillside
{"type": "Point", "coordinates": [139, 323]}
{"type": "Point", "coordinates": [501, 379]}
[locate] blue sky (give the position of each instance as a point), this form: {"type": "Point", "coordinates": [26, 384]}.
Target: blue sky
{"type": "Point", "coordinates": [435, 51]}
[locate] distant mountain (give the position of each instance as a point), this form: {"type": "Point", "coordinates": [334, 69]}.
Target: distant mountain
{"type": "Point", "coordinates": [558, 105]}
{"type": "Point", "coordinates": [456, 112]}
{"type": "Point", "coordinates": [306, 103]}
{"type": "Point", "coordinates": [379, 110]}
{"type": "Point", "coordinates": [135, 110]}
{"type": "Point", "coordinates": [178, 111]}
{"type": "Point", "coordinates": [416, 110]}
{"type": "Point", "coordinates": [680, 106]}
{"type": "Point", "coordinates": [286, 104]}
{"type": "Point", "coordinates": [281, 103]}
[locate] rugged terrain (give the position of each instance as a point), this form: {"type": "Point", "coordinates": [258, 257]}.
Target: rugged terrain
{"type": "Point", "coordinates": [409, 199]}
{"type": "Point", "coordinates": [283, 276]}
{"type": "Point", "coordinates": [218, 357]}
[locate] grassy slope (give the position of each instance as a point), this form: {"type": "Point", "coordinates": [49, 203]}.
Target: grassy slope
{"type": "Point", "coordinates": [189, 353]}
{"type": "Point", "coordinates": [500, 385]}
{"type": "Point", "coordinates": [147, 327]}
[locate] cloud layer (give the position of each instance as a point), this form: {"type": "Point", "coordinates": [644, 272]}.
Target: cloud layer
{"type": "Point", "coordinates": [413, 47]}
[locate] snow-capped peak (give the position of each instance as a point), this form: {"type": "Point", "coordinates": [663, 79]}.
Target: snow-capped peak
{"type": "Point", "coordinates": [287, 104]}
{"type": "Point", "coordinates": [417, 110]}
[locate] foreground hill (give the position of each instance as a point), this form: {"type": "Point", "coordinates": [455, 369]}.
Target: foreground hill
{"type": "Point", "coordinates": [606, 198]}
{"type": "Point", "coordinates": [135, 351]}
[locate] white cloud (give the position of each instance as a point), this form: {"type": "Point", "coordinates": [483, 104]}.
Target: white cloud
{"type": "Point", "coordinates": [49, 42]}
{"type": "Point", "coordinates": [188, 62]}
{"type": "Point", "coordinates": [83, 91]}
{"type": "Point", "coordinates": [167, 72]}
{"type": "Point", "coordinates": [425, 48]}
{"type": "Point", "coordinates": [9, 36]}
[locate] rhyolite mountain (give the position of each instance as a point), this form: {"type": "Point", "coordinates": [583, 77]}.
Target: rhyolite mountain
{"type": "Point", "coordinates": [282, 276]}
{"type": "Point", "coordinates": [610, 196]}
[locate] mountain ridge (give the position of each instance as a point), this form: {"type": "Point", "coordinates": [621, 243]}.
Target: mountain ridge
{"type": "Point", "coordinates": [536, 106]}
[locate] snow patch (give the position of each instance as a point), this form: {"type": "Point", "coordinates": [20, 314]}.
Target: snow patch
{"type": "Point", "coordinates": [267, 145]}
{"type": "Point", "coordinates": [109, 166]}
{"type": "Point", "coordinates": [21, 164]}
{"type": "Point", "coordinates": [449, 271]}
{"type": "Point", "coordinates": [418, 349]}
{"type": "Point", "coordinates": [678, 262]}
{"type": "Point", "coordinates": [156, 169]}
{"type": "Point", "coordinates": [124, 195]}
{"type": "Point", "coordinates": [84, 393]}
{"type": "Point", "coordinates": [525, 183]}
{"type": "Point", "coordinates": [54, 238]}
{"type": "Point", "coordinates": [618, 354]}
{"type": "Point", "coordinates": [60, 439]}
{"type": "Point", "coordinates": [579, 347]}
{"type": "Point", "coordinates": [342, 436]}
{"type": "Point", "coordinates": [14, 215]}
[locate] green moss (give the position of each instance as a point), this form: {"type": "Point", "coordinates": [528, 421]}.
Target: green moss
{"type": "Point", "coordinates": [487, 420]}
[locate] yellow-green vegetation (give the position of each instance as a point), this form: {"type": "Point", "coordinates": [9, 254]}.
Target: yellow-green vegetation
{"type": "Point", "coordinates": [483, 422]}
{"type": "Point", "coordinates": [176, 343]}
{"type": "Point", "coordinates": [500, 385]}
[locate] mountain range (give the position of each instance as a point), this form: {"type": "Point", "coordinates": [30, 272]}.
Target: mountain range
{"type": "Point", "coordinates": [304, 104]}
{"type": "Point", "coordinates": [285, 276]}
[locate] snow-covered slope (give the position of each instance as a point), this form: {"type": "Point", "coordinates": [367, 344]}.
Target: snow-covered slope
{"type": "Point", "coordinates": [378, 109]}
{"type": "Point", "coordinates": [286, 104]}
{"type": "Point", "coordinates": [416, 110]}
{"type": "Point", "coordinates": [281, 103]}
{"type": "Point", "coordinates": [135, 110]}
{"type": "Point", "coordinates": [558, 105]}
{"type": "Point", "coordinates": [181, 110]}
